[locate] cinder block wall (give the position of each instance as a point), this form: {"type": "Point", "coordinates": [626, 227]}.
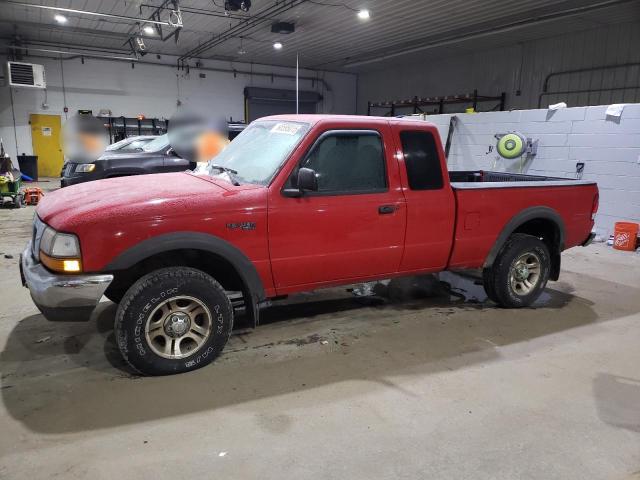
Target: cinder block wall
{"type": "Point", "coordinates": [609, 147]}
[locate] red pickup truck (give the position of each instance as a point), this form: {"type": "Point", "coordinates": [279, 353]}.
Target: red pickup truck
{"type": "Point", "coordinates": [295, 203]}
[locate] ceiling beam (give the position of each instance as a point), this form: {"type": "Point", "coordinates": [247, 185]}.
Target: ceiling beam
{"type": "Point", "coordinates": [72, 54]}
{"type": "Point", "coordinates": [66, 29]}
{"type": "Point", "coordinates": [86, 12]}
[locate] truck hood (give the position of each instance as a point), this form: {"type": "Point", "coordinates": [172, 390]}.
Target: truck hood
{"type": "Point", "coordinates": [127, 198]}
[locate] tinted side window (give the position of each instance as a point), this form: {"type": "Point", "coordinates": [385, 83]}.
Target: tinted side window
{"type": "Point", "coordinates": [422, 161]}
{"type": "Point", "coordinates": [348, 163]}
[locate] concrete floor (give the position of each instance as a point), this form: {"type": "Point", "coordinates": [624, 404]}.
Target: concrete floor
{"type": "Point", "coordinates": [442, 387]}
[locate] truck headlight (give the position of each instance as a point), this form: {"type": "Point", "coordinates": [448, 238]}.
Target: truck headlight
{"type": "Point", "coordinates": [85, 167]}
{"type": "Point", "coordinates": [60, 251]}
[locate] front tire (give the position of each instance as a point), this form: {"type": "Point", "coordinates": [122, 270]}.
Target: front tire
{"type": "Point", "coordinates": [173, 320]}
{"type": "Point", "coordinates": [520, 272]}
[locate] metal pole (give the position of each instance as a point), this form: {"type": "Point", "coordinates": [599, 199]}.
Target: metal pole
{"type": "Point", "coordinates": [297, 85]}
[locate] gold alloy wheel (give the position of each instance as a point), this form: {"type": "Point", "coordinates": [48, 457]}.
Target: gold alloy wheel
{"type": "Point", "coordinates": [178, 327]}
{"type": "Point", "coordinates": [525, 273]}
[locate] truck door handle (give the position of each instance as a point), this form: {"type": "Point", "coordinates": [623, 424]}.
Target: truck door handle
{"type": "Point", "coordinates": [386, 209]}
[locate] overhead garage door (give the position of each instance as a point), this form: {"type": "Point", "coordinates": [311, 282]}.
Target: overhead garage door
{"type": "Point", "coordinates": [261, 102]}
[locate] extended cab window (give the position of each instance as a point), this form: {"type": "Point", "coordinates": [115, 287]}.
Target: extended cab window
{"type": "Point", "coordinates": [348, 162]}
{"type": "Point", "coordinates": [422, 160]}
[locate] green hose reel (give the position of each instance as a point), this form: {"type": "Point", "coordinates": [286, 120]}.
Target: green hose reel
{"type": "Point", "coordinates": [513, 145]}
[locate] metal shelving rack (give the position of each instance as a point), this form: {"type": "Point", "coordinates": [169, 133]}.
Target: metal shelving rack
{"type": "Point", "coordinates": [120, 128]}
{"type": "Point", "coordinates": [417, 103]}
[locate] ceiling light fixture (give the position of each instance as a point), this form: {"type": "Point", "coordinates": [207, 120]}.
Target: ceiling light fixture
{"type": "Point", "coordinates": [241, 50]}
{"type": "Point", "coordinates": [60, 18]}
{"type": "Point", "coordinates": [149, 30]}
{"type": "Point", "coordinates": [277, 46]}
{"type": "Point", "coordinates": [364, 14]}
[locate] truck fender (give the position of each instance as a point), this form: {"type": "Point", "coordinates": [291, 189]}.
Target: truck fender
{"type": "Point", "coordinates": [532, 213]}
{"type": "Point", "coordinates": [198, 241]}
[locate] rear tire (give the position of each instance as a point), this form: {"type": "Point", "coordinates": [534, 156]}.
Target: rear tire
{"type": "Point", "coordinates": [520, 272]}
{"type": "Point", "coordinates": [173, 320]}
{"type": "Point", "coordinates": [487, 282]}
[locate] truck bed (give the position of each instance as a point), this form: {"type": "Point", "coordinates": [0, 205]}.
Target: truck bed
{"type": "Point", "coordinates": [486, 179]}
{"type": "Point", "coordinates": [487, 201]}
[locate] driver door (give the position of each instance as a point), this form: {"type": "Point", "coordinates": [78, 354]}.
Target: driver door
{"type": "Point", "coordinates": [352, 227]}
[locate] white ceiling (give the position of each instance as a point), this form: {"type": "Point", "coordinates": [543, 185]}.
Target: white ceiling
{"type": "Point", "coordinates": [328, 33]}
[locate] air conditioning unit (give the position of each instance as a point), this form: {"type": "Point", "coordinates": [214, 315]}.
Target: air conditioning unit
{"type": "Point", "coordinates": [27, 75]}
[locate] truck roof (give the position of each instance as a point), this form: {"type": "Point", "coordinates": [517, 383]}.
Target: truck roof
{"type": "Point", "coordinates": [318, 118]}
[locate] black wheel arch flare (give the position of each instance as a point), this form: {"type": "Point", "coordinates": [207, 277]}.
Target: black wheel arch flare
{"type": "Point", "coordinates": [521, 218]}
{"type": "Point", "coordinates": [197, 241]}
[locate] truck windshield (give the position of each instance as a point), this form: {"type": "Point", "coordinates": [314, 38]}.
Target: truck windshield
{"type": "Point", "coordinates": [259, 151]}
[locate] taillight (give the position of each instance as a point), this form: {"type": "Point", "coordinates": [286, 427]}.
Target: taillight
{"type": "Point", "coordinates": [594, 207]}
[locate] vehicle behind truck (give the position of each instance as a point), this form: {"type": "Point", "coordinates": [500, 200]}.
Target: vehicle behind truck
{"type": "Point", "coordinates": [295, 203]}
{"type": "Point", "coordinates": [135, 156]}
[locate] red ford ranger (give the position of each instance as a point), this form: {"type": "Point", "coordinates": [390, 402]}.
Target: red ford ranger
{"type": "Point", "coordinates": [295, 203]}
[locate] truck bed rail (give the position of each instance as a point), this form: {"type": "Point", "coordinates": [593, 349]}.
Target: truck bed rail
{"type": "Point", "coordinates": [466, 179]}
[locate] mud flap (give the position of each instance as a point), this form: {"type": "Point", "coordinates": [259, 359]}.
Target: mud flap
{"type": "Point", "coordinates": [554, 273]}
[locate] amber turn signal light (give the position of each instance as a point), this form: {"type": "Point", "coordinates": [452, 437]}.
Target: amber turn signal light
{"type": "Point", "coordinates": [62, 265]}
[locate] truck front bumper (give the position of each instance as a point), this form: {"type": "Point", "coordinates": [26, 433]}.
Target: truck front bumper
{"type": "Point", "coordinates": [61, 297]}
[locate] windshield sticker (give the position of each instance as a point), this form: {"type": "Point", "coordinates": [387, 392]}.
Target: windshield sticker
{"type": "Point", "coordinates": [286, 128]}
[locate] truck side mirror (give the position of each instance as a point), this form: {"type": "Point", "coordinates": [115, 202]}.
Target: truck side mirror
{"type": "Point", "coordinates": [307, 181]}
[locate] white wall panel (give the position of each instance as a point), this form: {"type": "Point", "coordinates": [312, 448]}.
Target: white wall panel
{"type": "Point", "coordinates": [151, 90]}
